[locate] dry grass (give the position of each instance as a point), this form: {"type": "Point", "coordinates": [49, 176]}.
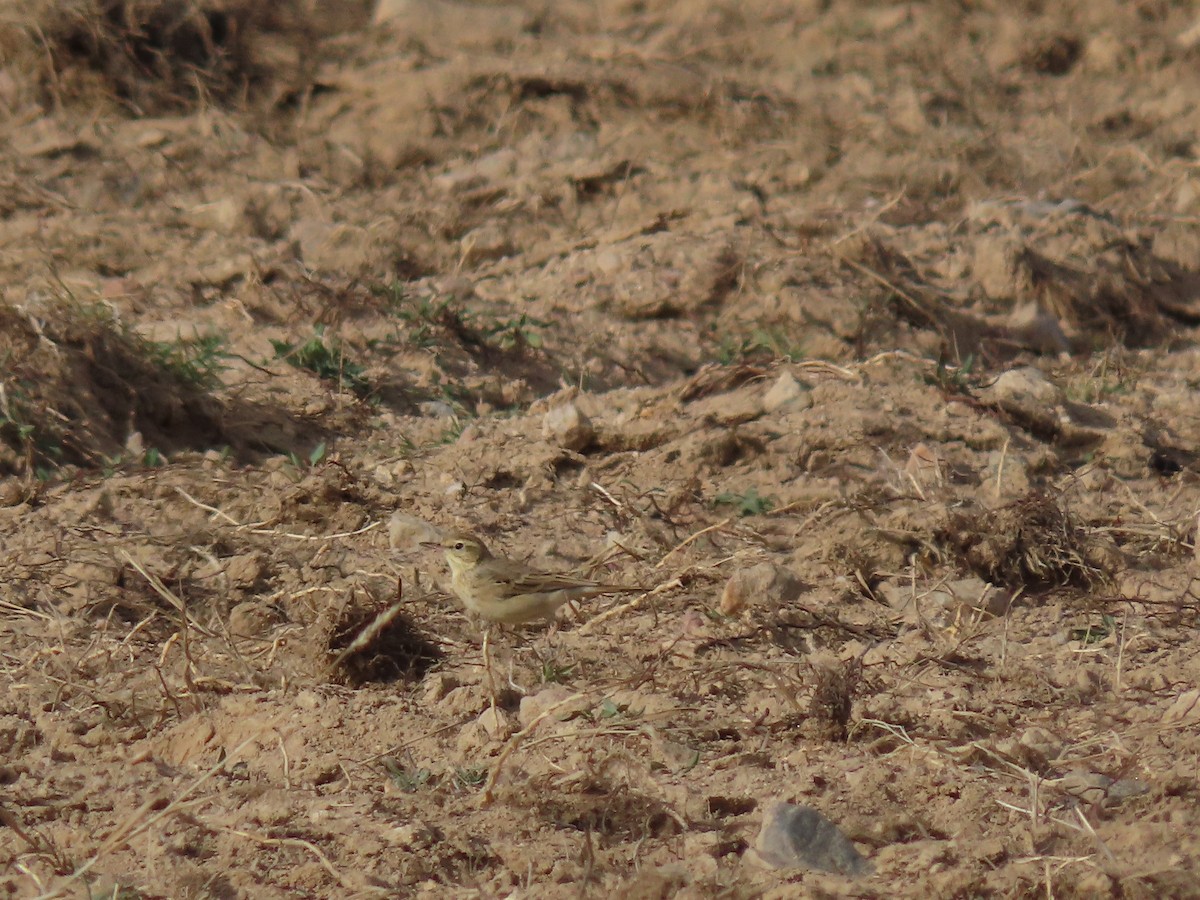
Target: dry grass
{"type": "Point", "coordinates": [1032, 543]}
{"type": "Point", "coordinates": [155, 56]}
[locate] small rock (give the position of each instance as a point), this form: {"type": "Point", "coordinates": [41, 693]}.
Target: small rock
{"type": "Point", "coordinates": [799, 836]}
{"type": "Point", "coordinates": [568, 427]}
{"type": "Point", "coordinates": [1090, 787]}
{"type": "Point", "coordinates": [765, 584]}
{"type": "Point", "coordinates": [494, 723]}
{"type": "Point", "coordinates": [460, 701]}
{"type": "Point", "coordinates": [253, 619]}
{"type": "Point", "coordinates": [1026, 390]}
{"type": "Point", "coordinates": [535, 705]}
{"type": "Point", "coordinates": [406, 532]}
{"type": "Point", "coordinates": [787, 391]}
{"type": "Point", "coordinates": [437, 686]}
{"type": "Point", "coordinates": [1036, 329]}
{"type": "Point", "coordinates": [223, 216]}
{"type": "Point", "coordinates": [244, 570]}
{"type": "Point", "coordinates": [1041, 741]}
{"type": "Point", "coordinates": [11, 492]}
{"type": "Point", "coordinates": [437, 409]}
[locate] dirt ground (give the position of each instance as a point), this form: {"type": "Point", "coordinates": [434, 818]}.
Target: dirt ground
{"type": "Point", "coordinates": [863, 335]}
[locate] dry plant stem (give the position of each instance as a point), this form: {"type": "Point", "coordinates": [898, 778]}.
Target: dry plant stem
{"type": "Point", "coordinates": [891, 286]}
{"type": "Point", "coordinates": [303, 845]}
{"type": "Point", "coordinates": [417, 740]}
{"type": "Point", "coordinates": [823, 365]}
{"type": "Point", "coordinates": [691, 538]}
{"type": "Point", "coordinates": [130, 828]}
{"type": "Point", "coordinates": [159, 588]}
{"type": "Point", "coordinates": [1000, 466]}
{"type": "Point", "coordinates": [255, 527]}
{"type": "Point", "coordinates": [878, 214]}
{"type": "Point", "coordinates": [515, 741]}
{"type": "Point", "coordinates": [8, 820]}
{"type": "Point", "coordinates": [633, 604]}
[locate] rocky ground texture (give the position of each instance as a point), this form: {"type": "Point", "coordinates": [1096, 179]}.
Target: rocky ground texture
{"type": "Point", "coordinates": [863, 335]}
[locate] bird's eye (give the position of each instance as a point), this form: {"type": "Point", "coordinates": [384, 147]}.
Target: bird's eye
{"type": "Point", "coordinates": [459, 545]}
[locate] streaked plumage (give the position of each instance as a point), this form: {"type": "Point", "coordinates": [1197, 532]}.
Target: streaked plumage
{"type": "Point", "coordinates": [504, 590]}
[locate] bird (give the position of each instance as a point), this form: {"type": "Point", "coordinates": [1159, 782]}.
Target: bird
{"type": "Point", "coordinates": [507, 591]}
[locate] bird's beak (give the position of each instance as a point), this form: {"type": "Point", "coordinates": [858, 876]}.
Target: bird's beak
{"type": "Point", "coordinates": [431, 545]}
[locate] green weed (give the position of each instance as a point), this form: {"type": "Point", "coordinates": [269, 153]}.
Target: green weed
{"type": "Point", "coordinates": [468, 778]}
{"type": "Point", "coordinates": [326, 358]}
{"type": "Point", "coordinates": [953, 381]}
{"type": "Point", "coordinates": [407, 780]}
{"type": "Point", "coordinates": [554, 673]}
{"type": "Point", "coordinates": [750, 503]}
{"type": "Point", "coordinates": [515, 334]}
{"type": "Point", "coordinates": [1094, 634]}
{"type": "Point", "coordinates": [772, 343]}
{"type": "Point", "coordinates": [196, 361]}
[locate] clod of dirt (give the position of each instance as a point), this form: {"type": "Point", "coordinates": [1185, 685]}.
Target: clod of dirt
{"type": "Point", "coordinates": [566, 426]}
{"type": "Point", "coordinates": [1099, 790]}
{"type": "Point", "coordinates": [765, 584]}
{"type": "Point", "coordinates": [1080, 266]}
{"type": "Point", "coordinates": [801, 837]}
{"type": "Point", "coordinates": [1040, 406]}
{"type": "Point", "coordinates": [405, 532]}
{"type": "Point", "coordinates": [1037, 329]}
{"type": "Point", "coordinates": [1033, 543]}
{"type": "Point", "coordinates": [787, 391]}
{"type": "Point", "coordinates": [949, 604]}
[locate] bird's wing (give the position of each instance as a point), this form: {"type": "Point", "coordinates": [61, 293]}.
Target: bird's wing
{"type": "Point", "coordinates": [529, 581]}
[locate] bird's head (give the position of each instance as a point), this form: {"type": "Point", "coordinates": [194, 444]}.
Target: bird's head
{"type": "Point", "coordinates": [463, 551]}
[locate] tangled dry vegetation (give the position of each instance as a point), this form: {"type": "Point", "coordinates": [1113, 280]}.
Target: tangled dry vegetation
{"type": "Point", "coordinates": [861, 335]}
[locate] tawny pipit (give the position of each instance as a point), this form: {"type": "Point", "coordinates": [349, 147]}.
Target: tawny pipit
{"type": "Point", "coordinates": [506, 591]}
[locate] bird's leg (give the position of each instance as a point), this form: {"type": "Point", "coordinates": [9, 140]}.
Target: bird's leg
{"type": "Point", "coordinates": [487, 665]}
